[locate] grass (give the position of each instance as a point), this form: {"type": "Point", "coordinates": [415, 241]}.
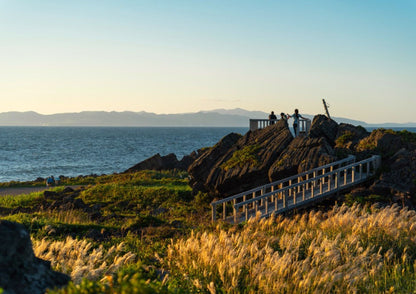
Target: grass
{"type": "Point", "coordinates": [349, 249]}
{"type": "Point", "coordinates": [146, 233]}
{"type": "Point", "coordinates": [240, 158]}
{"type": "Point", "coordinates": [344, 138]}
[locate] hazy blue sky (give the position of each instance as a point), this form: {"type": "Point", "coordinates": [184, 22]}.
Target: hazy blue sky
{"type": "Point", "coordinates": [185, 56]}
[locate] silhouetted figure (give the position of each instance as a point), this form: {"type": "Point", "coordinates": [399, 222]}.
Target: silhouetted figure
{"type": "Point", "coordinates": [272, 118]}
{"type": "Point", "coordinates": [283, 116]}
{"type": "Point", "coordinates": [296, 117]}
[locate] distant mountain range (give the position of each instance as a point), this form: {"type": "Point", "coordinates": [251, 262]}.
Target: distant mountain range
{"type": "Point", "coordinates": [213, 118]}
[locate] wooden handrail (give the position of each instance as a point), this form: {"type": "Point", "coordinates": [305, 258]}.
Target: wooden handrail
{"type": "Point", "coordinates": [319, 180]}
{"type": "Point", "coordinates": [278, 182]}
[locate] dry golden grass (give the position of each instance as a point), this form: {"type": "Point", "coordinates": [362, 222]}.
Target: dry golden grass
{"type": "Point", "coordinates": [78, 259]}
{"type": "Point", "coordinates": [348, 249]}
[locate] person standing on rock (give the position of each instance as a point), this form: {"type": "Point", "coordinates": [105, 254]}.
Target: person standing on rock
{"type": "Point", "coordinates": [296, 117]}
{"type": "Point", "coordinates": [272, 118]}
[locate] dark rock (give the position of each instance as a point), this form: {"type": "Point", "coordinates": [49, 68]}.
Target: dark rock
{"type": "Point", "coordinates": [156, 162]}
{"type": "Point", "coordinates": [176, 224]}
{"type": "Point", "coordinates": [50, 194]}
{"type": "Point", "coordinates": [324, 127]}
{"type": "Point", "coordinates": [382, 142]}
{"type": "Point", "coordinates": [400, 173]}
{"type": "Point", "coordinates": [215, 172]}
{"type": "Point", "coordinates": [200, 168]}
{"type": "Point", "coordinates": [159, 211]}
{"type": "Point", "coordinates": [378, 188]}
{"type": "Point", "coordinates": [348, 136]}
{"type": "Point", "coordinates": [67, 190]}
{"type": "Point", "coordinates": [20, 270]}
{"type": "Point", "coordinates": [187, 160]}
{"type": "Point", "coordinates": [302, 154]}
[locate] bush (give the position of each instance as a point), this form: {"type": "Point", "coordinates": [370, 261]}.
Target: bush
{"type": "Point", "coordinates": [246, 156]}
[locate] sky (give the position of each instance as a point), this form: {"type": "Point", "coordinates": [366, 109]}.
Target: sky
{"type": "Point", "coordinates": [185, 56]}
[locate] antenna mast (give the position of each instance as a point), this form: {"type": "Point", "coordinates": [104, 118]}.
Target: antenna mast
{"type": "Point", "coordinates": [326, 109]}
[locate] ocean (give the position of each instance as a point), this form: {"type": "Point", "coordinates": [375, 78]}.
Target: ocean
{"type": "Point", "coordinates": [27, 153]}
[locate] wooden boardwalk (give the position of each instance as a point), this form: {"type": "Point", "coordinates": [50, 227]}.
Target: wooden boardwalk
{"type": "Point", "coordinates": [296, 191]}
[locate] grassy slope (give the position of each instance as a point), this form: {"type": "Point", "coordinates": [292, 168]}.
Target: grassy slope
{"type": "Point", "coordinates": [146, 233]}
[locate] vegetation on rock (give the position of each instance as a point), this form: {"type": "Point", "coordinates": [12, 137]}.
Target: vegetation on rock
{"type": "Point", "coordinates": [245, 156]}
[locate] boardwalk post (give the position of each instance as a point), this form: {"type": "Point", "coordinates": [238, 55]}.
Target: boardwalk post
{"type": "Point", "coordinates": [320, 185]}
{"type": "Point", "coordinates": [284, 198]}
{"type": "Point", "coordinates": [329, 183]}
{"type": "Point", "coordinates": [276, 200]}
{"type": "Point", "coordinates": [234, 210]}
{"type": "Point", "coordinates": [214, 212]}
{"type": "Point", "coordinates": [345, 176]}
{"type": "Point", "coordinates": [294, 195]}
{"type": "Point", "coordinates": [336, 180]}
{"type": "Point", "coordinates": [314, 182]}
{"type": "Point", "coordinates": [224, 210]}
{"type": "Point", "coordinates": [303, 192]}
{"type": "Point", "coordinates": [353, 174]}
{"type": "Point", "coordinates": [266, 204]}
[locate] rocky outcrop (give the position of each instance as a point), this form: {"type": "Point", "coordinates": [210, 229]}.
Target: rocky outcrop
{"type": "Point", "coordinates": [323, 127]}
{"type": "Point", "coordinates": [238, 163]}
{"type": "Point", "coordinates": [383, 142]}
{"type": "Point", "coordinates": [303, 153]}
{"type": "Point", "coordinates": [168, 162]}
{"type": "Point", "coordinates": [349, 136]}
{"type": "Point", "coordinates": [399, 177]}
{"type": "Point", "coordinates": [201, 168]}
{"type": "Point", "coordinates": [20, 271]}
{"type": "Point", "coordinates": [241, 164]}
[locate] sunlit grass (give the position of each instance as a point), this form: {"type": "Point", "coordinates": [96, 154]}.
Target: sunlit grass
{"type": "Point", "coordinates": [345, 250]}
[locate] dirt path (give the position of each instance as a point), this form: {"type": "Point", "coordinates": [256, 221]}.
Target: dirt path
{"type": "Point", "coordinates": [25, 190]}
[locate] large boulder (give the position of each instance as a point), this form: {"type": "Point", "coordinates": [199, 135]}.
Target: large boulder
{"type": "Point", "coordinates": [242, 164]}
{"type": "Point", "coordinates": [202, 166]}
{"type": "Point", "coordinates": [349, 135]}
{"type": "Point", "coordinates": [20, 271]}
{"type": "Point", "coordinates": [302, 154]}
{"type": "Point", "coordinates": [399, 175]}
{"type": "Point", "coordinates": [324, 127]}
{"type": "Point", "coordinates": [383, 142]}
{"type": "Point", "coordinates": [156, 162]}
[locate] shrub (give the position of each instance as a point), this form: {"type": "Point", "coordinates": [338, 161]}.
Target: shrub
{"type": "Point", "coordinates": [245, 156]}
{"type": "Point", "coordinates": [344, 138]}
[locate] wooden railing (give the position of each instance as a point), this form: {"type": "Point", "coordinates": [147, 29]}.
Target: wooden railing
{"type": "Point", "coordinates": [276, 190]}
{"type": "Point", "coordinates": [256, 124]}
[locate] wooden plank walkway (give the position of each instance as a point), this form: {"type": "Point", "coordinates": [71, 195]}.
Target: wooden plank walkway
{"type": "Point", "coordinates": [296, 191]}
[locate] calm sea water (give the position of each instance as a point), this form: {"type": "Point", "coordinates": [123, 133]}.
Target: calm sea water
{"type": "Point", "coordinates": [27, 153]}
